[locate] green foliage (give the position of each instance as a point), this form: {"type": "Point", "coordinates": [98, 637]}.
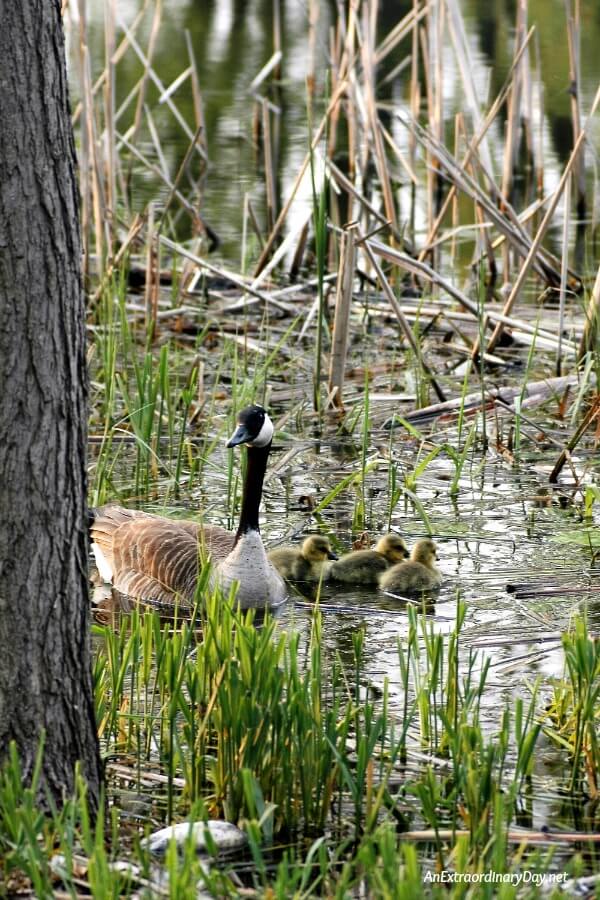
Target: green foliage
{"type": "Point", "coordinates": [573, 716]}
{"type": "Point", "coordinates": [244, 715]}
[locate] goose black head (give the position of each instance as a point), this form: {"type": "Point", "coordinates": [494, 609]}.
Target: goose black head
{"type": "Point", "coordinates": [254, 428]}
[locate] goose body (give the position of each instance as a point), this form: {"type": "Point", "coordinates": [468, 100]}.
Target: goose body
{"type": "Point", "coordinates": [157, 559]}
{"type": "Point", "coordinates": [366, 566]}
{"type": "Point", "coordinates": [417, 574]}
{"type": "Point", "coordinates": [304, 563]}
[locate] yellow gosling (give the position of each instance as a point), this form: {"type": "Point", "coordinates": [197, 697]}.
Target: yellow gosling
{"type": "Point", "coordinates": [417, 574]}
{"type": "Point", "coordinates": [304, 563]}
{"type": "Point", "coordinates": [365, 566]}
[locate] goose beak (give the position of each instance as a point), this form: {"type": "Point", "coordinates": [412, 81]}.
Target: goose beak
{"type": "Point", "coordinates": [331, 555]}
{"type": "Point", "coordinates": [241, 435]}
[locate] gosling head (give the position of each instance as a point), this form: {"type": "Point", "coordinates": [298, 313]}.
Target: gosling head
{"type": "Point", "coordinates": [254, 428]}
{"type": "Point", "coordinates": [425, 552]}
{"type": "Point", "coordinates": [317, 548]}
{"type": "Point", "coordinates": [392, 547]}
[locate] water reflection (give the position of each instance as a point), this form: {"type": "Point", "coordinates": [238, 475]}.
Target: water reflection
{"type": "Point", "coordinates": [231, 41]}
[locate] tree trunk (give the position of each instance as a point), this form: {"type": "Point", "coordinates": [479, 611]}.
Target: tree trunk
{"type": "Point", "coordinates": [45, 663]}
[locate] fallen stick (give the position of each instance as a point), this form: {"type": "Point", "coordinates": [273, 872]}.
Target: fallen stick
{"type": "Point", "coordinates": [222, 273]}
{"type": "Point", "coordinates": [550, 592]}
{"type": "Point", "coordinates": [537, 389]}
{"type": "Point", "coordinates": [591, 414]}
{"type": "Point", "coordinates": [514, 837]}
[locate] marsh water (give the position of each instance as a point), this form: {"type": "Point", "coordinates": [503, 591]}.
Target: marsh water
{"type": "Point", "coordinates": [503, 524]}
{"type": "Point", "coordinates": [233, 39]}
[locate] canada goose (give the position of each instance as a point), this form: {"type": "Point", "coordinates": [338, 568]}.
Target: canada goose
{"type": "Point", "coordinates": [157, 559]}
{"type": "Point", "coordinates": [304, 563]}
{"type": "Point", "coordinates": [365, 566]}
{"type": "Point", "coordinates": [417, 574]}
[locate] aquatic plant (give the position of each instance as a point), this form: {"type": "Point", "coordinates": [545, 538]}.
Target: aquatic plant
{"type": "Point", "coordinates": [573, 714]}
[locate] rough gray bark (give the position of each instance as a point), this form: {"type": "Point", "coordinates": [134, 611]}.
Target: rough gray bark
{"type": "Point", "coordinates": [45, 671]}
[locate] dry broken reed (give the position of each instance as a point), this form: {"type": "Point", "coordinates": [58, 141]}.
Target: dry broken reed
{"type": "Point", "coordinates": [389, 180]}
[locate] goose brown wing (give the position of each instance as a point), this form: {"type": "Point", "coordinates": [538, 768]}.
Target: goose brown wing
{"type": "Point", "coordinates": [151, 553]}
{"type": "Point", "coordinates": [105, 522]}
{"type": "Point", "coordinates": [213, 540]}
{"type": "Point", "coordinates": [144, 587]}
{"type": "Point", "coordinates": [152, 557]}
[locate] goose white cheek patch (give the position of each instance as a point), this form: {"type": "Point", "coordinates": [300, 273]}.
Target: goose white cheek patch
{"type": "Point", "coordinates": [265, 434]}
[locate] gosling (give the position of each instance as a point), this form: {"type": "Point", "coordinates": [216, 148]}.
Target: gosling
{"type": "Point", "coordinates": [304, 563]}
{"type": "Point", "coordinates": [366, 566]}
{"type": "Point", "coordinates": [417, 574]}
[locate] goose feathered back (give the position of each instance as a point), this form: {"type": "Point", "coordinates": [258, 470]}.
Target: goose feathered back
{"type": "Point", "coordinates": [153, 557]}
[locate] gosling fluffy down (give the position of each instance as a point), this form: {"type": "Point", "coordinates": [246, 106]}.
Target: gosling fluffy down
{"type": "Point", "coordinates": [417, 574]}
{"type": "Point", "coordinates": [304, 563]}
{"type": "Point", "coordinates": [366, 566]}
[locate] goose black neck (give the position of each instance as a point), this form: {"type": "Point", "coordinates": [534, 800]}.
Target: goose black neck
{"type": "Point", "coordinates": [256, 465]}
